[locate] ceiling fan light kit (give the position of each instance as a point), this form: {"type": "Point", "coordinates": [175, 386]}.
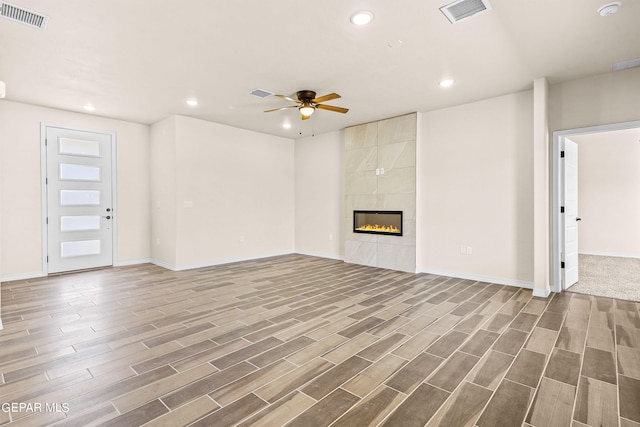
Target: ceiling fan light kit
{"type": "Point", "coordinates": [306, 110]}
{"type": "Point", "coordinates": [306, 103]}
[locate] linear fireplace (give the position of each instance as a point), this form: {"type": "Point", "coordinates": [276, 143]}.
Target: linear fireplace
{"type": "Point", "coordinates": [378, 222]}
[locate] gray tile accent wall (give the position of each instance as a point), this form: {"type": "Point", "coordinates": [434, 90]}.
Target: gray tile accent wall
{"type": "Point", "coordinates": [388, 144]}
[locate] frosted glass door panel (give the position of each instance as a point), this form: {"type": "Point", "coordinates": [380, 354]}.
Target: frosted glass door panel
{"type": "Point", "coordinates": [77, 147]}
{"type": "Point", "coordinates": [70, 172]}
{"type": "Point", "coordinates": [80, 212]}
{"type": "Point", "coordinates": [81, 248]}
{"type": "Point", "coordinates": [79, 223]}
{"type": "Point", "coordinates": [79, 198]}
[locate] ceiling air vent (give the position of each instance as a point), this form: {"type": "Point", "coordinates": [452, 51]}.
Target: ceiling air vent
{"type": "Point", "coordinates": [260, 93]}
{"type": "Point", "coordinates": [22, 15]}
{"type": "Point", "coordinates": [632, 63]}
{"type": "Point", "coordinates": [464, 8]}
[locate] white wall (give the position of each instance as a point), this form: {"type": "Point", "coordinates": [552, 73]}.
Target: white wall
{"type": "Point", "coordinates": [597, 100]}
{"type": "Point", "coordinates": [541, 201]}
{"type": "Point", "coordinates": [319, 195]}
{"type": "Point", "coordinates": [1, 186]}
{"type": "Point", "coordinates": [609, 193]}
{"type": "Point", "coordinates": [22, 185]}
{"type": "Point", "coordinates": [163, 191]}
{"type": "Point", "coordinates": [475, 186]}
{"type": "Point", "coordinates": [233, 198]}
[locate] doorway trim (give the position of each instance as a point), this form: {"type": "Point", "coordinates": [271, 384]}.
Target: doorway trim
{"type": "Point", "coordinates": [43, 191]}
{"type": "Point", "coordinates": [557, 193]}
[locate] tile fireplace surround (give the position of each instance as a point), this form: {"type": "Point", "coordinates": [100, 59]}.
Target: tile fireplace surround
{"type": "Point", "coordinates": [380, 174]}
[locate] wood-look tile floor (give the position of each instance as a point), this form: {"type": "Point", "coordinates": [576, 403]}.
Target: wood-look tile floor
{"type": "Point", "coordinates": [304, 341]}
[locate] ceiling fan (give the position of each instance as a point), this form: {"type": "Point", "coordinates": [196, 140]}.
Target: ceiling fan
{"type": "Point", "coordinates": [307, 103]}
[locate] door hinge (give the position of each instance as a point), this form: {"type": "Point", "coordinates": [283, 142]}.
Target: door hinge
{"type": "Point", "coordinates": [562, 154]}
{"type": "Point", "coordinates": [47, 258]}
{"type": "Point", "coordinates": [47, 220]}
{"type": "Point", "coordinates": [562, 264]}
{"type": "Point", "coordinates": [561, 209]}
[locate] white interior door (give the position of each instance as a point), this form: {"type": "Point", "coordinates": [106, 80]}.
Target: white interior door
{"type": "Point", "coordinates": [570, 228]}
{"type": "Point", "coordinates": [79, 200]}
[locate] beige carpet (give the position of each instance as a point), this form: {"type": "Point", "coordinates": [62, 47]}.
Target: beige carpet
{"type": "Point", "coordinates": [612, 277]}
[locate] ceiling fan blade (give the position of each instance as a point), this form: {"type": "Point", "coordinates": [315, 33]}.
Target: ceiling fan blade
{"type": "Point", "coordinates": [288, 98]}
{"type": "Point", "coordinates": [332, 108]}
{"type": "Point", "coordinates": [324, 98]}
{"type": "Point", "coordinates": [283, 108]}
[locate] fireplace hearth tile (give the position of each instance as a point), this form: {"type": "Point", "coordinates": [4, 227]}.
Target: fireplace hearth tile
{"type": "Point", "coordinates": [364, 253]}
{"type": "Point", "coordinates": [397, 257]}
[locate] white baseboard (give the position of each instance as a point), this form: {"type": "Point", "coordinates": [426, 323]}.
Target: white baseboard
{"type": "Point", "coordinates": [612, 254]}
{"type": "Point", "coordinates": [543, 293]}
{"type": "Point", "coordinates": [34, 275]}
{"type": "Point", "coordinates": [214, 263]}
{"type": "Point", "coordinates": [479, 278]}
{"type": "Point", "coordinates": [321, 255]}
{"type": "Point", "coordinates": [132, 262]}
{"type": "Point", "coordinates": [1, 327]}
{"type": "Point", "coordinates": [163, 264]}
{"type": "Point", "coordinates": [23, 276]}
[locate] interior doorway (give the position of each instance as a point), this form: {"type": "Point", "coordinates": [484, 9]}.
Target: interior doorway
{"type": "Point", "coordinates": [79, 210]}
{"type": "Point", "coordinates": [563, 278]}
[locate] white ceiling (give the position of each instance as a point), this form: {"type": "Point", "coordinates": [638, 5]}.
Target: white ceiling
{"type": "Point", "coordinates": [139, 60]}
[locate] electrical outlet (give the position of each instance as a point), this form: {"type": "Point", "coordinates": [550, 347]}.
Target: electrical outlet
{"type": "Point", "coordinates": [469, 250]}
{"type": "Point", "coordinates": [330, 236]}
{"type": "Point", "coordinates": [463, 249]}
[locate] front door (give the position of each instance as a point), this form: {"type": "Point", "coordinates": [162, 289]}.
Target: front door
{"type": "Point", "coordinates": [570, 188]}
{"type": "Point", "coordinates": [79, 199]}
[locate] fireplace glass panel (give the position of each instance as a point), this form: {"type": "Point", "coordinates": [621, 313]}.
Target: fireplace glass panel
{"type": "Point", "coordinates": [378, 222]}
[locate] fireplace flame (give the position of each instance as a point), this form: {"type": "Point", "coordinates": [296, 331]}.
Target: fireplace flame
{"type": "Point", "coordinates": [376, 227]}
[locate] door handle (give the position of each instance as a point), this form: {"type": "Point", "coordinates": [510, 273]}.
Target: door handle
{"type": "Point", "coordinates": [578, 219]}
{"type": "Point", "coordinates": [107, 217]}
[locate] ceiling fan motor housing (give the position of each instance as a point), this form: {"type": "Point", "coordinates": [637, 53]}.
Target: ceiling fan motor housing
{"type": "Point", "coordinates": [306, 95]}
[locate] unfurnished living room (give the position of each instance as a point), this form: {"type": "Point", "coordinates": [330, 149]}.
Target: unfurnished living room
{"type": "Point", "coordinates": [320, 213]}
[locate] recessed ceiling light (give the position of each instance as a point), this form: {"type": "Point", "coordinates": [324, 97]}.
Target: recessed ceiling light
{"type": "Point", "coordinates": [286, 125]}
{"type": "Point", "coordinates": [89, 107]}
{"type": "Point", "coordinates": [446, 83]}
{"type": "Point", "coordinates": [192, 102]}
{"type": "Point", "coordinates": [361, 18]}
